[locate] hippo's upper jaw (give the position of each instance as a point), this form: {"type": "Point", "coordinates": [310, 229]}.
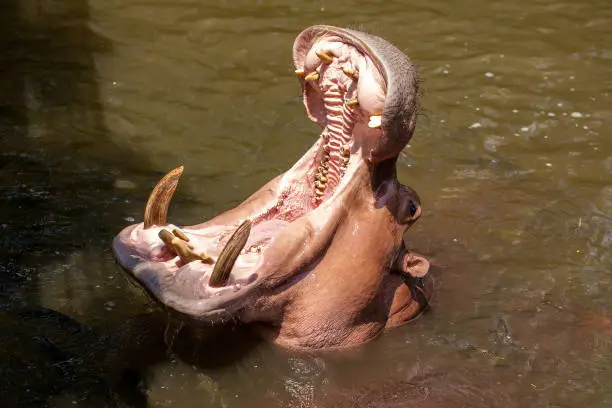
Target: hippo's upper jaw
{"type": "Point", "coordinates": [311, 254]}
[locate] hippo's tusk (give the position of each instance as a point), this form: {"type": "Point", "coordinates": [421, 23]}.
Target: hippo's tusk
{"type": "Point", "coordinates": [156, 211]}
{"type": "Point", "coordinates": [182, 248]}
{"type": "Point", "coordinates": [227, 258]}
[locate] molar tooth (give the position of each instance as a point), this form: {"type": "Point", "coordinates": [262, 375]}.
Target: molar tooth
{"type": "Point", "coordinates": [325, 56]}
{"type": "Point", "coordinates": [352, 102]}
{"type": "Point", "coordinates": [300, 73]}
{"type": "Point", "coordinates": [319, 192]}
{"type": "Point", "coordinates": [375, 121]}
{"type": "Point", "coordinates": [313, 76]}
{"type": "Point", "coordinates": [319, 184]}
{"type": "Point", "coordinates": [350, 73]}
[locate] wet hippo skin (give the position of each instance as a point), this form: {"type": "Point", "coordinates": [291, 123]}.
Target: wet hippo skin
{"type": "Point", "coordinates": [315, 257]}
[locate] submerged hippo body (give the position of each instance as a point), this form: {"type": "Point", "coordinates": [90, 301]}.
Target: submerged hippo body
{"type": "Point", "coordinates": [315, 257]}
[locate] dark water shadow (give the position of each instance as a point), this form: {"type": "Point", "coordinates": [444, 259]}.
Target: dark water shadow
{"type": "Point", "coordinates": [209, 347]}
{"type": "Point", "coordinates": [60, 200]}
{"type": "Point", "coordinates": [55, 198]}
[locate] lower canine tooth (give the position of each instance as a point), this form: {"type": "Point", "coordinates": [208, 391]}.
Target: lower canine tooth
{"type": "Point", "coordinates": [227, 258]}
{"type": "Point", "coordinates": [375, 121]}
{"type": "Point", "coordinates": [156, 211]}
{"type": "Point", "coordinates": [300, 72]}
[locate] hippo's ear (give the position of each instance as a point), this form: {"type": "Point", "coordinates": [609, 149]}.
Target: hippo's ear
{"type": "Point", "coordinates": [415, 265]}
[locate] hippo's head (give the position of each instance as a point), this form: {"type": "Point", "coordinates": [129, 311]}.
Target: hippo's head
{"type": "Point", "coordinates": [316, 255]}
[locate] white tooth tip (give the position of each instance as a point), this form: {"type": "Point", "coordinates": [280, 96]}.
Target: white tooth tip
{"type": "Point", "coordinates": [375, 121]}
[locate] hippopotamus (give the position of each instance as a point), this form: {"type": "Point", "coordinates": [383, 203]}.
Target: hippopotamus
{"type": "Point", "coordinates": [315, 259]}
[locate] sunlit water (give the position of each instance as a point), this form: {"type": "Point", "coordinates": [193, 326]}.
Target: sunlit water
{"type": "Point", "coordinates": [512, 159]}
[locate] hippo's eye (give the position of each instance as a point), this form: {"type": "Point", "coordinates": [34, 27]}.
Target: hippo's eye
{"type": "Point", "coordinates": [413, 209]}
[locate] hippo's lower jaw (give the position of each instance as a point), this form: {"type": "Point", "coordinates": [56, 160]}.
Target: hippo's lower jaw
{"type": "Point", "coordinates": [311, 253]}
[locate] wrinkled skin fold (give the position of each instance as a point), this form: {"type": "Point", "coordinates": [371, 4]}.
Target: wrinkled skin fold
{"type": "Point", "coordinates": [315, 257]}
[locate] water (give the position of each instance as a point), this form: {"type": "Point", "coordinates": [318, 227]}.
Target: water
{"type": "Point", "coordinates": [511, 159]}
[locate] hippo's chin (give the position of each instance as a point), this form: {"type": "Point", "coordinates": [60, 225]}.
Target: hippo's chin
{"type": "Point", "coordinates": [313, 251]}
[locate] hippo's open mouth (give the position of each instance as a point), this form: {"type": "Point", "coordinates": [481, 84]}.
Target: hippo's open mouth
{"type": "Point", "coordinates": [361, 91]}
